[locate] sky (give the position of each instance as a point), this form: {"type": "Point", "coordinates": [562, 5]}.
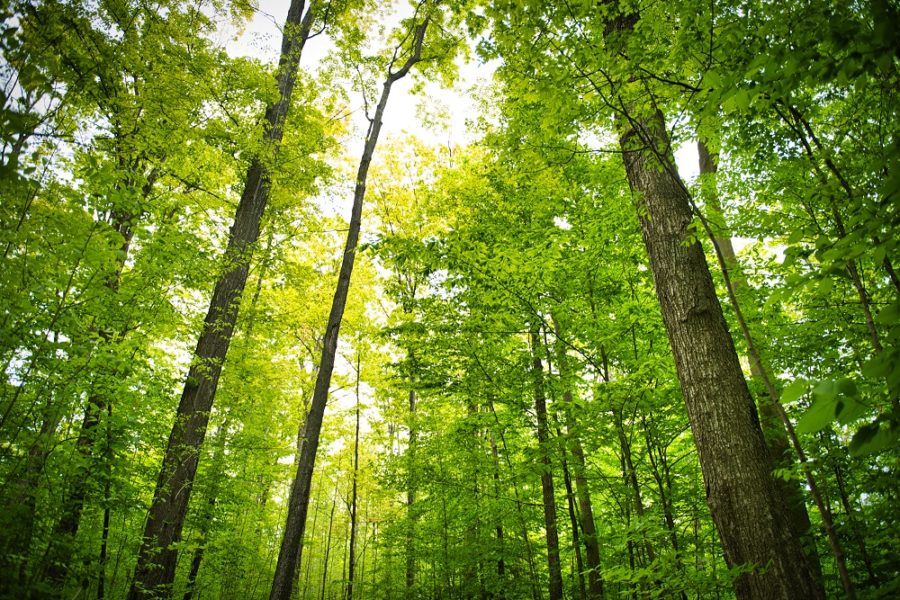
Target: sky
{"type": "Point", "coordinates": [261, 39]}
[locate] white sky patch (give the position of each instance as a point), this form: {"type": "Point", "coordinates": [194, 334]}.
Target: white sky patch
{"type": "Point", "coordinates": [436, 115]}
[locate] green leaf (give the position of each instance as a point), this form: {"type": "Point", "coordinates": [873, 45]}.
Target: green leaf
{"type": "Point", "coordinates": [794, 391]}
{"type": "Point", "coordinates": [872, 438]}
{"type": "Point", "coordinates": [818, 416]}
{"type": "Point", "coordinates": [849, 410]}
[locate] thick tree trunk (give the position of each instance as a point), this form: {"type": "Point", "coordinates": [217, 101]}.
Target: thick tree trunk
{"type": "Point", "coordinates": [298, 503]}
{"type": "Point", "coordinates": [543, 435]}
{"type": "Point", "coordinates": [749, 514]}
{"type": "Point", "coordinates": [744, 502]}
{"type": "Point", "coordinates": [155, 569]}
{"type": "Point", "coordinates": [774, 432]}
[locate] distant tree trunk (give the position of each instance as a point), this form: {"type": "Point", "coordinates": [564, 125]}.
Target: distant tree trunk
{"type": "Point", "coordinates": [328, 544]}
{"type": "Point", "coordinates": [501, 567]}
{"type": "Point", "coordinates": [207, 512]}
{"type": "Point", "coordinates": [632, 480]}
{"type": "Point", "coordinates": [586, 507]}
{"type": "Point", "coordinates": [573, 519]}
{"type": "Point", "coordinates": [157, 558]}
{"type": "Point", "coordinates": [664, 485]}
{"type": "Point", "coordinates": [411, 498]}
{"type": "Point", "coordinates": [352, 561]}
{"type": "Point", "coordinates": [854, 525]}
{"type": "Point", "coordinates": [298, 502]}
{"type": "Point", "coordinates": [529, 553]}
{"type": "Point", "coordinates": [63, 537]}
{"type": "Point", "coordinates": [543, 435]}
{"type": "Point", "coordinates": [107, 503]}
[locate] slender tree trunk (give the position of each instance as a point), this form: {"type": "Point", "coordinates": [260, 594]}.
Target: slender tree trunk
{"type": "Point", "coordinates": [748, 512]}
{"type": "Point", "coordinates": [632, 480]}
{"type": "Point", "coordinates": [586, 507]}
{"type": "Point", "coordinates": [157, 558]}
{"type": "Point", "coordinates": [854, 525]}
{"type": "Point", "coordinates": [573, 518]}
{"type": "Point", "coordinates": [501, 567]}
{"type": "Point", "coordinates": [328, 545]}
{"type": "Point", "coordinates": [529, 552]}
{"type": "Point", "coordinates": [104, 541]}
{"type": "Point", "coordinates": [352, 562]}
{"type": "Point", "coordinates": [411, 499]}
{"type": "Point", "coordinates": [298, 502]}
{"type": "Point", "coordinates": [543, 435]}
{"type": "Point", "coordinates": [312, 532]}
{"type": "Point", "coordinates": [63, 537]}
{"type": "Point", "coordinates": [207, 512]}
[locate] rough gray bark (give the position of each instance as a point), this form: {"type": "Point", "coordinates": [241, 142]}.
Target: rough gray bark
{"type": "Point", "coordinates": [543, 435]}
{"type": "Point", "coordinates": [157, 558]}
{"type": "Point", "coordinates": [298, 504]}
{"type": "Point", "coordinates": [749, 514]}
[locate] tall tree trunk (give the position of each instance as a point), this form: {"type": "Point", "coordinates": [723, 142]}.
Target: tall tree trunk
{"type": "Point", "coordinates": [774, 431]}
{"type": "Point", "coordinates": [573, 519]}
{"type": "Point", "coordinates": [585, 506]}
{"type": "Point", "coordinates": [632, 480]}
{"type": "Point", "coordinates": [501, 567]}
{"type": "Point", "coordinates": [207, 512]}
{"type": "Point", "coordinates": [157, 558]}
{"type": "Point", "coordinates": [749, 514]}
{"type": "Point", "coordinates": [63, 537]}
{"type": "Point", "coordinates": [328, 545]}
{"type": "Point", "coordinates": [543, 435]}
{"type": "Point", "coordinates": [529, 553]}
{"type": "Point", "coordinates": [411, 498]}
{"type": "Point", "coordinates": [824, 508]}
{"type": "Point", "coordinates": [298, 502]}
{"type": "Point", "coordinates": [352, 561]}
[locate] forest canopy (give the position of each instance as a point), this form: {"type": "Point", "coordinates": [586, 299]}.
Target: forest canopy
{"type": "Point", "coordinates": [309, 299]}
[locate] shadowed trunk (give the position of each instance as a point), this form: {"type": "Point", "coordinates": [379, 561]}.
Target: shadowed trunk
{"type": "Point", "coordinates": [157, 558]}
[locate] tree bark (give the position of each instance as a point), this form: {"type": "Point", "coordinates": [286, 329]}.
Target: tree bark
{"type": "Point", "coordinates": [411, 498]}
{"type": "Point", "coordinates": [583, 493]}
{"type": "Point", "coordinates": [573, 519]}
{"type": "Point", "coordinates": [157, 558]}
{"type": "Point", "coordinates": [774, 431]}
{"type": "Point", "coordinates": [298, 502]}
{"type": "Point", "coordinates": [543, 435]}
{"type": "Point", "coordinates": [352, 561]}
{"type": "Point", "coordinates": [748, 512]}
